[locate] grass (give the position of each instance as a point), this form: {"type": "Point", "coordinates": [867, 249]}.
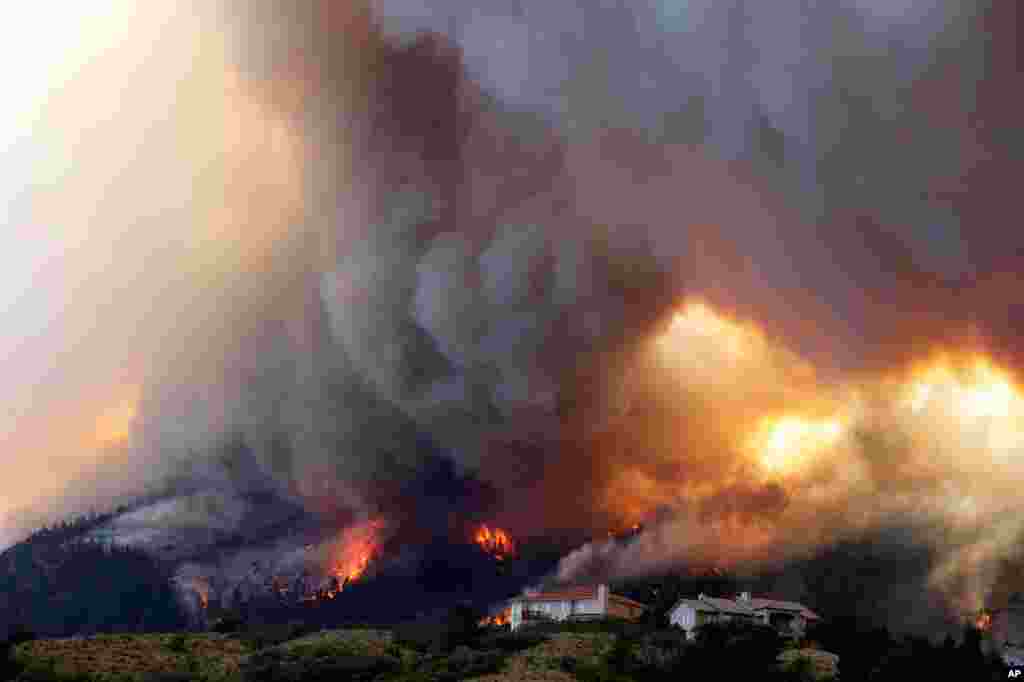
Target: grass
{"type": "Point", "coordinates": [220, 658]}
{"type": "Point", "coordinates": [353, 654]}
{"type": "Point", "coordinates": [333, 644]}
{"type": "Point", "coordinates": [545, 662]}
{"type": "Point", "coordinates": [208, 658]}
{"type": "Point", "coordinates": [341, 643]}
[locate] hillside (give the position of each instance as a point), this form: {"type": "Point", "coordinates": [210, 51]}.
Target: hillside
{"type": "Point", "coordinates": [417, 652]}
{"type": "Point", "coordinates": [56, 582]}
{"type": "Point", "coordinates": [454, 649]}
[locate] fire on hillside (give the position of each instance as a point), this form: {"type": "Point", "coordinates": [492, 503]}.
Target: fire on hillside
{"type": "Point", "coordinates": [503, 617]}
{"type": "Point", "coordinates": [495, 542]}
{"type": "Point", "coordinates": [984, 621]}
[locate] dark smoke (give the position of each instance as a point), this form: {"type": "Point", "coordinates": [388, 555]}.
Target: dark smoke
{"type": "Point", "coordinates": [496, 210]}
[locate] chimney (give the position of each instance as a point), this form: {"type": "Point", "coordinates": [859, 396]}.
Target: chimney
{"type": "Point", "coordinates": [602, 596]}
{"type": "Point", "coordinates": [744, 596]}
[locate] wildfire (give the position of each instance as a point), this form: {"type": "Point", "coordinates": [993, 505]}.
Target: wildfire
{"type": "Point", "coordinates": [495, 542]}
{"type": "Point", "coordinates": [198, 586]}
{"type": "Point", "coordinates": [629, 532]}
{"type": "Point", "coordinates": [974, 388]}
{"type": "Point", "coordinates": [497, 619]}
{"type": "Point", "coordinates": [351, 554]}
{"type": "Point", "coordinates": [784, 442]}
{"type": "Point", "coordinates": [113, 425]}
{"type": "Point", "coordinates": [699, 320]}
{"type": "Point", "coordinates": [983, 621]}
{"type": "Point", "coordinates": [750, 448]}
{"type": "Point", "coordinates": [973, 394]}
{"type": "Point", "coordinates": [202, 589]}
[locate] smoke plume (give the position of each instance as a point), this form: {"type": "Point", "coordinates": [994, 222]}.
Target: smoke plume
{"type": "Point", "coordinates": [750, 276]}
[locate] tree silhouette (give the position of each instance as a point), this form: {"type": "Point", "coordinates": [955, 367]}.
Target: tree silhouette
{"type": "Point", "coordinates": [58, 582]}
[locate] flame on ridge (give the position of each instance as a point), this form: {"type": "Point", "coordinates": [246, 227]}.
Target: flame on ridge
{"type": "Point", "coordinates": [495, 542]}
{"type": "Point", "coordinates": [350, 555]}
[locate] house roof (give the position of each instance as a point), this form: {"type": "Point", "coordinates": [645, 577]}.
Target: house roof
{"type": "Point", "coordinates": [697, 605]}
{"type": "Point", "coordinates": [625, 600]}
{"type": "Point", "coordinates": [729, 606]}
{"type": "Point", "coordinates": [745, 607]}
{"type": "Point", "coordinates": [778, 605]}
{"type": "Point", "coordinates": [570, 594]}
{"type": "Point", "coordinates": [575, 594]}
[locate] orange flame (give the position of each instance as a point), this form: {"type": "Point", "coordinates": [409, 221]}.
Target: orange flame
{"type": "Point", "coordinates": [501, 618]}
{"type": "Point", "coordinates": [113, 425]}
{"type": "Point", "coordinates": [279, 585]}
{"type": "Point", "coordinates": [495, 542]}
{"type": "Point", "coordinates": [983, 622]}
{"type": "Point", "coordinates": [351, 555]}
{"type": "Point", "coordinates": [201, 587]}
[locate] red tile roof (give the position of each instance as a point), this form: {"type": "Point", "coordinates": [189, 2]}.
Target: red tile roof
{"type": "Point", "coordinates": [574, 594]}
{"type": "Point", "coordinates": [562, 595]}
{"type": "Point", "coordinates": [625, 600]}
{"type": "Point", "coordinates": [778, 605]}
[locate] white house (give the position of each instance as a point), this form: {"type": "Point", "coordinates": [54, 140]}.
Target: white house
{"type": "Point", "coordinates": [789, 618]}
{"type": "Point", "coordinates": [572, 603]}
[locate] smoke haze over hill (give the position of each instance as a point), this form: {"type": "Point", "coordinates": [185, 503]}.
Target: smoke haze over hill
{"type": "Point", "coordinates": [749, 276]}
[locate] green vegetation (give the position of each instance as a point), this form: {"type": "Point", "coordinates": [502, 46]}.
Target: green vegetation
{"type": "Point", "coordinates": [130, 657]}
{"type": "Point", "coordinates": [58, 583]}
{"type": "Point", "coordinates": [454, 648]}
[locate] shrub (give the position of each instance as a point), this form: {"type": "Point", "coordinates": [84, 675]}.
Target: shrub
{"type": "Point", "coordinates": [616, 626]}
{"type": "Point", "coordinates": [177, 644]}
{"type": "Point", "coordinates": [40, 671]}
{"type": "Point", "coordinates": [600, 672]}
{"type": "Point", "coordinates": [9, 669]}
{"type": "Point", "coordinates": [355, 668]}
{"type": "Point", "coordinates": [261, 636]}
{"type": "Point", "coordinates": [468, 662]}
{"type": "Point", "coordinates": [800, 670]}
{"type": "Point", "coordinates": [510, 642]}
{"type": "Point", "coordinates": [568, 664]}
{"type": "Point", "coordinates": [663, 650]}
{"type": "Point", "coordinates": [298, 628]}
{"type": "Point", "coordinates": [621, 656]}
{"type": "Point", "coordinates": [168, 677]}
{"type": "Point", "coordinates": [457, 627]}
{"type": "Point", "coordinates": [21, 634]}
{"type": "Point", "coordinates": [416, 635]}
{"type": "Point", "coordinates": [228, 623]}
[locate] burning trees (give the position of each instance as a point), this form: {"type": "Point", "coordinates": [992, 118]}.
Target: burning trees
{"type": "Point", "coordinates": [495, 542]}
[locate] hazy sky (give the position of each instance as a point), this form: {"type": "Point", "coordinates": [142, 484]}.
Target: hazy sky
{"type": "Point", "coordinates": [205, 231]}
{"type": "Point", "coordinates": [95, 102]}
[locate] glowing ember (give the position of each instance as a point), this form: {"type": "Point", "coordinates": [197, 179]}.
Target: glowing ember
{"type": "Point", "coordinates": [785, 442]}
{"type": "Point", "coordinates": [350, 556]}
{"type": "Point", "coordinates": [972, 389]}
{"type": "Point", "coordinates": [629, 532]}
{"type": "Point", "coordinates": [495, 542]}
{"type": "Point", "coordinates": [697, 319]}
{"type": "Point", "coordinates": [113, 425]}
{"type": "Point", "coordinates": [983, 622]}
{"type": "Point", "coordinates": [497, 619]}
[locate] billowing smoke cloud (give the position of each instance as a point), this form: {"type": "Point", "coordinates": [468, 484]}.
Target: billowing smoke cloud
{"type": "Point", "coordinates": [741, 456]}
{"type": "Point", "coordinates": [308, 229]}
